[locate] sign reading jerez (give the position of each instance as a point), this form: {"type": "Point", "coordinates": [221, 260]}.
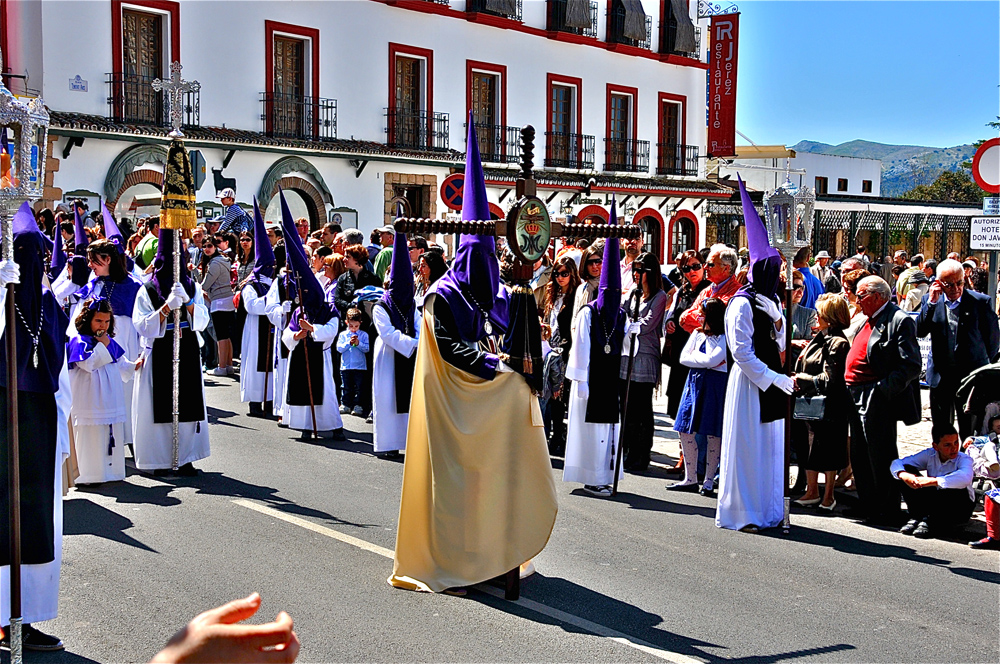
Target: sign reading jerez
{"type": "Point", "coordinates": [723, 56]}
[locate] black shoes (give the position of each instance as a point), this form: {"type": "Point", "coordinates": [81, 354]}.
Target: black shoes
{"type": "Point", "coordinates": [338, 434]}
{"type": "Point", "coordinates": [187, 470]}
{"type": "Point", "coordinates": [686, 488]}
{"type": "Point", "coordinates": [910, 526]}
{"type": "Point", "coordinates": [32, 639]}
{"type": "Point", "coordinates": [922, 531]}
{"type": "Point", "coordinates": [986, 544]}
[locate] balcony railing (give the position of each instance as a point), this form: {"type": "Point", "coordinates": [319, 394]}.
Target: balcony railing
{"type": "Point", "coordinates": [557, 19]}
{"type": "Point", "coordinates": [569, 150]}
{"type": "Point", "coordinates": [677, 159]}
{"type": "Point", "coordinates": [626, 155]}
{"type": "Point", "coordinates": [440, 2]}
{"type": "Point", "coordinates": [616, 30]}
{"type": "Point", "coordinates": [506, 8]}
{"type": "Point", "coordinates": [498, 144]}
{"type": "Point", "coordinates": [298, 116]}
{"type": "Point", "coordinates": [416, 130]}
{"type": "Point", "coordinates": [132, 99]}
{"type": "Point", "coordinates": [668, 39]}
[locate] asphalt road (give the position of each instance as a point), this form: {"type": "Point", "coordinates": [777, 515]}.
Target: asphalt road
{"type": "Point", "coordinates": [643, 577]}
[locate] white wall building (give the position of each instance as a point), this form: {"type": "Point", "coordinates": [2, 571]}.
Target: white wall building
{"type": "Point", "coordinates": [762, 167]}
{"type": "Point", "coordinates": [352, 105]}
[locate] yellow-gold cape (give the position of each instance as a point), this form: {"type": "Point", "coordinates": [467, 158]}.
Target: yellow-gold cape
{"type": "Point", "coordinates": [478, 494]}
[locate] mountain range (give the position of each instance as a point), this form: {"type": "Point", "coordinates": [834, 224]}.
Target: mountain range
{"type": "Point", "coordinates": [903, 166]}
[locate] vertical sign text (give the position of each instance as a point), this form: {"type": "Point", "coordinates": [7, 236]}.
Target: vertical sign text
{"type": "Point", "coordinates": [722, 85]}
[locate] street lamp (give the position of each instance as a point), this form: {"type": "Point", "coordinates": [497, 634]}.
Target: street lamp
{"type": "Point", "coordinates": [788, 214]}
{"type": "Point", "coordinates": [23, 133]}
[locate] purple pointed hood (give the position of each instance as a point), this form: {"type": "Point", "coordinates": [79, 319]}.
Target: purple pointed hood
{"type": "Point", "coordinates": [609, 289]}
{"type": "Point", "coordinates": [471, 285]}
{"type": "Point", "coordinates": [58, 261]}
{"type": "Point", "coordinates": [81, 270]}
{"type": "Point", "coordinates": [163, 264]}
{"type": "Point", "coordinates": [398, 298]}
{"type": "Point", "coordinates": [79, 232]}
{"type": "Point", "coordinates": [263, 265]}
{"type": "Point", "coordinates": [112, 233]}
{"type": "Point", "coordinates": [311, 298]}
{"type": "Point", "coordinates": [765, 261]}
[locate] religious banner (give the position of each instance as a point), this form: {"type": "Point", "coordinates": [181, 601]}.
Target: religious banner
{"type": "Point", "coordinates": [722, 85]}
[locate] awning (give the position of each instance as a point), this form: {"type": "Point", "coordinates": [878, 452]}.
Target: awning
{"type": "Point", "coordinates": [577, 14]}
{"type": "Point", "coordinates": [505, 7]}
{"type": "Point", "coordinates": [634, 25]}
{"type": "Point", "coordinates": [684, 41]}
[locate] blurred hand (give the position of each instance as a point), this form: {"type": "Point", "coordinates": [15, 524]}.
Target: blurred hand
{"type": "Point", "coordinates": [10, 273]}
{"type": "Point", "coordinates": [583, 389]}
{"type": "Point", "coordinates": [214, 636]}
{"type": "Point", "coordinates": [785, 383]}
{"type": "Point", "coordinates": [306, 325]}
{"type": "Point", "coordinates": [936, 291]}
{"type": "Point", "coordinates": [671, 328]}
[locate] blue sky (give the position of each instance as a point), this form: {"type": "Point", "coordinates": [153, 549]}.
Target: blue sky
{"type": "Point", "coordinates": [903, 72]}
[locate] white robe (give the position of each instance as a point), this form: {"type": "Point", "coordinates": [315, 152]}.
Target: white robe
{"type": "Point", "coordinates": [253, 383]}
{"type": "Point", "coordinates": [390, 426]}
{"type": "Point", "coordinates": [274, 312]}
{"type": "Point", "coordinates": [154, 442]}
{"type": "Point", "coordinates": [590, 448]}
{"type": "Point", "coordinates": [752, 470]}
{"type": "Point", "coordinates": [40, 583]}
{"type": "Point", "coordinates": [327, 413]}
{"type": "Point", "coordinates": [128, 338]}
{"type": "Point", "coordinates": [99, 405]}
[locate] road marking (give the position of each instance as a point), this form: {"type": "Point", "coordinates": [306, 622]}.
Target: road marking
{"type": "Point", "coordinates": [531, 605]}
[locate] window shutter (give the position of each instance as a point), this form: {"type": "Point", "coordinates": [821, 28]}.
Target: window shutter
{"type": "Point", "coordinates": [635, 20]}
{"type": "Point", "coordinates": [505, 7]}
{"type": "Point", "coordinates": [684, 42]}
{"type": "Point", "coordinates": [578, 14]}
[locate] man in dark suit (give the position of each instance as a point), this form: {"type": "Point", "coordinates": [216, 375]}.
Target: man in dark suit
{"type": "Point", "coordinates": [882, 370]}
{"type": "Point", "coordinates": [964, 336]}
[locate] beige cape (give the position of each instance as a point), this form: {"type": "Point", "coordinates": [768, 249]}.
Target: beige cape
{"type": "Point", "coordinates": [478, 494]}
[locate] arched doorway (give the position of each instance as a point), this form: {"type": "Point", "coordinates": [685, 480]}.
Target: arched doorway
{"type": "Point", "coordinates": [139, 200]}
{"type": "Point", "coordinates": [592, 214]}
{"type": "Point", "coordinates": [683, 234]}
{"type": "Point", "coordinates": [298, 205]}
{"type": "Point", "coordinates": [652, 232]}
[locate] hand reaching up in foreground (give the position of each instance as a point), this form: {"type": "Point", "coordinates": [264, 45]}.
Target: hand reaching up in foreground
{"type": "Point", "coordinates": [216, 637]}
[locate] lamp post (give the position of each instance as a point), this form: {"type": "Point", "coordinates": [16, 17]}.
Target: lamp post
{"type": "Point", "coordinates": [24, 131]}
{"type": "Point", "coordinates": [788, 213]}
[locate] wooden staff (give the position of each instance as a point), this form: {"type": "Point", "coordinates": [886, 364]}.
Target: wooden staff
{"type": "Point", "coordinates": [305, 352]}
{"type": "Point", "coordinates": [13, 452]}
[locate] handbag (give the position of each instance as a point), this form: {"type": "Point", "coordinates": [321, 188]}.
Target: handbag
{"type": "Point", "coordinates": [809, 408]}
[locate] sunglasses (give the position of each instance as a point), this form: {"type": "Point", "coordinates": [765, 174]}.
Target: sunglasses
{"type": "Point", "coordinates": [798, 287]}
{"type": "Point", "coordinates": [245, 239]}
{"type": "Point", "coordinates": [561, 273]}
{"type": "Point", "coordinates": [691, 268]}
{"type": "Point", "coordinates": [207, 245]}
{"type": "Point", "coordinates": [709, 265]}
{"type": "Point", "coordinates": [595, 261]}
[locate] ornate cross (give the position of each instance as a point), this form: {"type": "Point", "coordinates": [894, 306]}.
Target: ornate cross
{"type": "Point", "coordinates": [175, 88]}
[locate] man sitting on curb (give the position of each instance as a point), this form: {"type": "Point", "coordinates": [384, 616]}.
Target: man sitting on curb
{"type": "Point", "coordinates": [944, 498]}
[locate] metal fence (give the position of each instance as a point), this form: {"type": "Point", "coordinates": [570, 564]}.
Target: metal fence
{"type": "Point", "coordinates": [417, 130]}
{"type": "Point", "coordinates": [297, 116]}
{"type": "Point", "coordinates": [132, 99]}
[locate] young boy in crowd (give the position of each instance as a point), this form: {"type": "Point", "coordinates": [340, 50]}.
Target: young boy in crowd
{"type": "Point", "coordinates": [352, 344]}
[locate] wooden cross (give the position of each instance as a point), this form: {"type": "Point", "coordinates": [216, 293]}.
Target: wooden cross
{"type": "Point", "coordinates": [175, 87]}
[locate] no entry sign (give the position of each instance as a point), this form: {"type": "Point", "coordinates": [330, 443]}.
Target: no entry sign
{"type": "Point", "coordinates": [986, 166]}
{"type": "Point", "coordinates": [451, 190]}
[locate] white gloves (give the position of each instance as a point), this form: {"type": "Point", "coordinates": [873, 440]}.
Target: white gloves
{"type": "Point", "coordinates": [286, 307]}
{"type": "Point", "coordinates": [583, 389]}
{"type": "Point", "coordinates": [632, 328]}
{"type": "Point", "coordinates": [10, 273]}
{"type": "Point", "coordinates": [784, 383]}
{"type": "Point", "coordinates": [177, 298]}
{"type": "Point", "coordinates": [769, 307]}
{"type": "Point", "coordinates": [503, 367]}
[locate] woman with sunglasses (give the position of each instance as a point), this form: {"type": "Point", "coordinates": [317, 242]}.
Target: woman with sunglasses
{"type": "Point", "coordinates": [648, 297]}
{"type": "Point", "coordinates": [557, 322]}
{"type": "Point", "coordinates": [244, 274]}
{"type": "Point", "coordinates": [214, 276]}
{"type": "Point", "coordinates": [590, 276]}
{"type": "Point", "coordinates": [693, 270]}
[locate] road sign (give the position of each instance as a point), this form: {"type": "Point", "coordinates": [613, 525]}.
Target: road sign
{"type": "Point", "coordinates": [991, 206]}
{"type": "Point", "coordinates": [986, 166]}
{"type": "Point", "coordinates": [197, 168]}
{"type": "Point", "coordinates": [451, 190]}
{"type": "Point", "coordinates": [985, 234]}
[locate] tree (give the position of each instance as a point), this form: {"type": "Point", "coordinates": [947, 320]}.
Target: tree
{"type": "Point", "coordinates": [949, 187]}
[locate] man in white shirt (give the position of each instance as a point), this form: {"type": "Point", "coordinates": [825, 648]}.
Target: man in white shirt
{"type": "Point", "coordinates": [633, 248]}
{"type": "Point", "coordinates": [944, 498]}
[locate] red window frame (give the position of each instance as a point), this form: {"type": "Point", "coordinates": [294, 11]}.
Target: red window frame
{"type": "Point", "coordinates": [3, 35]}
{"type": "Point", "coordinates": [414, 52]}
{"type": "Point", "coordinates": [312, 34]}
{"type": "Point", "coordinates": [680, 100]}
{"type": "Point", "coordinates": [490, 68]}
{"type": "Point", "coordinates": [613, 89]}
{"type": "Point", "coordinates": [173, 9]}
{"type": "Point", "coordinates": [680, 214]}
{"type": "Point", "coordinates": [558, 79]}
{"type": "Point", "coordinates": [655, 214]}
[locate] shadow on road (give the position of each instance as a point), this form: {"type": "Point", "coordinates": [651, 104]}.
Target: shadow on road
{"type": "Point", "coordinates": [218, 415]}
{"type": "Point", "coordinates": [83, 517]}
{"type": "Point", "coordinates": [865, 547]}
{"type": "Point", "coordinates": [59, 657]}
{"type": "Point", "coordinates": [135, 494]}
{"type": "Point", "coordinates": [607, 611]}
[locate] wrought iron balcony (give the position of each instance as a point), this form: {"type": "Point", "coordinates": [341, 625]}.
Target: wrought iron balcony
{"type": "Point", "coordinates": [569, 150]}
{"type": "Point", "coordinates": [506, 8]}
{"type": "Point", "coordinates": [440, 2]}
{"type": "Point", "coordinates": [557, 19]}
{"type": "Point", "coordinates": [626, 155]}
{"type": "Point", "coordinates": [668, 38]}
{"type": "Point", "coordinates": [616, 29]}
{"type": "Point", "coordinates": [416, 130]}
{"type": "Point", "coordinates": [677, 159]}
{"type": "Point", "coordinates": [298, 116]}
{"type": "Point", "coordinates": [132, 99]}
{"type": "Point", "coordinates": [498, 144]}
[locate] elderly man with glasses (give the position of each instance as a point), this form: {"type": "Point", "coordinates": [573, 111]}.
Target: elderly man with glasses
{"type": "Point", "coordinates": [964, 336]}
{"type": "Point", "coordinates": [720, 269]}
{"type": "Point", "coordinates": [881, 374]}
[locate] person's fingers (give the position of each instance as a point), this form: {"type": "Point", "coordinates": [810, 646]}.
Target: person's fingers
{"type": "Point", "coordinates": [263, 636]}
{"type": "Point", "coordinates": [287, 652]}
{"type": "Point", "coordinates": [233, 612]}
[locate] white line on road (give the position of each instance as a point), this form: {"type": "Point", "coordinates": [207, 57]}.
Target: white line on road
{"type": "Point", "coordinates": [531, 605]}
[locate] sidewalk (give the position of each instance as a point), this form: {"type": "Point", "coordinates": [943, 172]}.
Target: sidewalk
{"type": "Point", "coordinates": [910, 440]}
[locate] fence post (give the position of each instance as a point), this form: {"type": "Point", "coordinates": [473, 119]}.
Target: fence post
{"type": "Point", "coordinates": [885, 236]}
{"type": "Point", "coordinates": [854, 232]}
